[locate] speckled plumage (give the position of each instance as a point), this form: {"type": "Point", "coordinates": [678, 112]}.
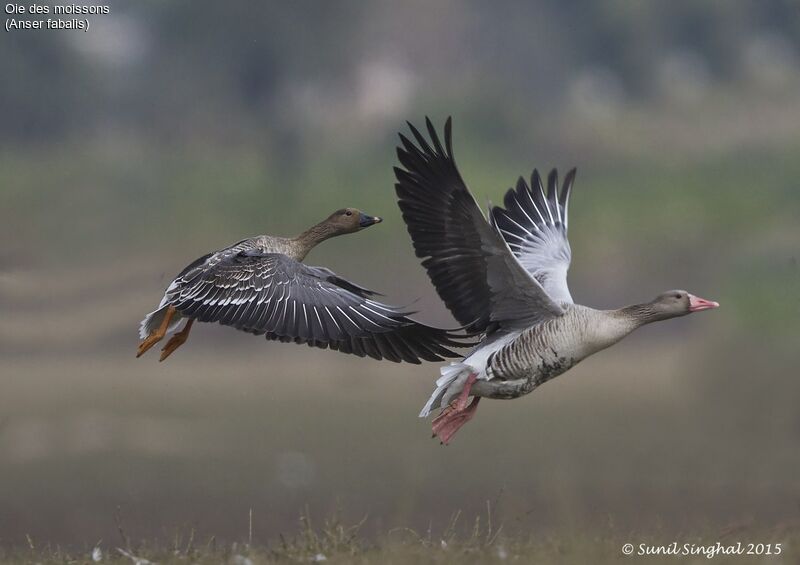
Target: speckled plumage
{"type": "Point", "coordinates": [546, 350]}
{"type": "Point", "coordinates": [260, 286]}
{"type": "Point", "coordinates": [505, 278]}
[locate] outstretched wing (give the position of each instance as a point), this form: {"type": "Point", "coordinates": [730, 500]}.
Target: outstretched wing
{"type": "Point", "coordinates": [472, 268]}
{"type": "Point", "coordinates": [271, 294]}
{"type": "Point", "coordinates": [534, 225]}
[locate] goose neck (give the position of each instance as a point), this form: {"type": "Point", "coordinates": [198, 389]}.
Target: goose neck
{"type": "Point", "coordinates": [640, 314]}
{"type": "Point", "coordinates": [313, 236]}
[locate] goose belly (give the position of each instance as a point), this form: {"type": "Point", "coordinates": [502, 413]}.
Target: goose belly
{"type": "Point", "coordinates": [533, 358]}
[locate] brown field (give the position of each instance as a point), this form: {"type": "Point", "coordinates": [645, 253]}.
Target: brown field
{"type": "Point", "coordinates": [645, 441]}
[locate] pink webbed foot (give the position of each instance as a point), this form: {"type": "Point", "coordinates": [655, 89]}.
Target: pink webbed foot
{"type": "Point", "coordinates": [446, 424]}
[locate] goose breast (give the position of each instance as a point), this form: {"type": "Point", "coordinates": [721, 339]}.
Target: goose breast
{"type": "Point", "coordinates": [547, 350]}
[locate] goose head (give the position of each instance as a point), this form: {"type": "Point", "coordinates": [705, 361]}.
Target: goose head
{"type": "Point", "coordinates": [674, 303]}
{"type": "Point", "coordinates": [349, 220]}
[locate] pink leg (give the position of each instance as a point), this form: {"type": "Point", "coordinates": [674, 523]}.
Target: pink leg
{"type": "Point", "coordinates": [446, 424]}
{"type": "Point", "coordinates": [461, 401]}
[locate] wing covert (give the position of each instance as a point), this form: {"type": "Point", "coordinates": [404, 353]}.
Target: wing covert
{"type": "Point", "coordinates": [273, 295]}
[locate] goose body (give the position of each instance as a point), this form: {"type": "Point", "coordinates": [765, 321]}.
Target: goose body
{"type": "Point", "coordinates": [261, 243]}
{"type": "Point", "coordinates": [512, 364]}
{"type": "Point", "coordinates": [260, 285]}
{"type": "Point", "coordinates": [505, 278]}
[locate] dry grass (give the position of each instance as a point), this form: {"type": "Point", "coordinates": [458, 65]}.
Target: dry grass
{"type": "Point", "coordinates": [479, 541]}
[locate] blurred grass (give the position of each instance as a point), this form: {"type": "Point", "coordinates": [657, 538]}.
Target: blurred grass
{"type": "Point", "coordinates": [480, 541]}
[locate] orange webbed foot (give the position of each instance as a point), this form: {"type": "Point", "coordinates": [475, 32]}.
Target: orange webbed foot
{"type": "Point", "coordinates": [176, 341]}
{"type": "Point", "coordinates": [157, 334]}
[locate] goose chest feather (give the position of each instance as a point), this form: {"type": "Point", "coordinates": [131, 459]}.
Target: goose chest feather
{"type": "Point", "coordinates": [505, 278]}
{"type": "Point", "coordinates": [533, 356]}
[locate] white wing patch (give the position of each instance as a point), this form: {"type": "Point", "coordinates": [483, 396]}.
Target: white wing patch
{"type": "Point", "coordinates": [534, 225]}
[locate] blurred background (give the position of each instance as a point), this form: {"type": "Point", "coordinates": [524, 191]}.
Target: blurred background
{"type": "Point", "coordinates": [172, 129]}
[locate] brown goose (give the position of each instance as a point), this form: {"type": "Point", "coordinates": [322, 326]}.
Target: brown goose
{"type": "Point", "coordinates": [260, 285]}
{"type": "Point", "coordinates": [505, 278]}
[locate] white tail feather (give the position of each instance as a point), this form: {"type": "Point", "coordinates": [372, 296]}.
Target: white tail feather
{"type": "Point", "coordinates": [448, 385]}
{"type": "Point", "coordinates": [153, 320]}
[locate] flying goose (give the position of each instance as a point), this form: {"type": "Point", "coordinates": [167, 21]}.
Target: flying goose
{"type": "Point", "coordinates": [260, 285]}
{"type": "Point", "coordinates": [506, 279]}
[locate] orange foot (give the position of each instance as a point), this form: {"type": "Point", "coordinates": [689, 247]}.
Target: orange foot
{"type": "Point", "coordinates": [176, 341]}
{"type": "Point", "coordinates": [157, 334]}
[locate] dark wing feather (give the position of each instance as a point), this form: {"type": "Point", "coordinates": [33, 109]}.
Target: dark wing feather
{"type": "Point", "coordinates": [271, 294]}
{"type": "Point", "coordinates": [332, 277]}
{"type": "Point", "coordinates": [470, 265]}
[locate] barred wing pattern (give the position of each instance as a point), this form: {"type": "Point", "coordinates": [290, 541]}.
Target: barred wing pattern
{"type": "Point", "coordinates": [471, 266]}
{"type": "Point", "coordinates": [274, 295]}
{"type": "Point", "coordinates": [534, 225]}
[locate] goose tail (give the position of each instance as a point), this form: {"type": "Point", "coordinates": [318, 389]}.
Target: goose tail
{"type": "Point", "coordinates": [153, 320]}
{"type": "Point", "coordinates": [448, 385]}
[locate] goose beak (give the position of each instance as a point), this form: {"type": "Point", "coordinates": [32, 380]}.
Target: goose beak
{"type": "Point", "coordinates": [364, 221]}
{"type": "Point", "coordinates": [696, 304]}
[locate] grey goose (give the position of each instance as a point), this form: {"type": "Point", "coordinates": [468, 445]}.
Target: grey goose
{"type": "Point", "coordinates": [259, 285]}
{"type": "Point", "coordinates": [505, 278]}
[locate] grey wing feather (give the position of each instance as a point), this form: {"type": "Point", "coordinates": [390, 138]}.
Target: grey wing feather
{"type": "Point", "coordinates": [471, 266]}
{"type": "Point", "coordinates": [534, 225]}
{"type": "Point", "coordinates": [330, 276]}
{"type": "Point", "coordinates": [274, 295]}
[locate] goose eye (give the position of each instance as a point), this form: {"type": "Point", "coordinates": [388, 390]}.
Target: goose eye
{"type": "Point", "coordinates": [348, 213]}
{"type": "Point", "coordinates": [678, 296]}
